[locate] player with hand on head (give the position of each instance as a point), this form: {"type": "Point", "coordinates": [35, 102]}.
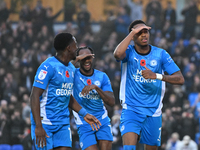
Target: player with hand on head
{"type": "Point", "coordinates": [142, 86]}
{"type": "Point", "coordinates": [51, 97]}
{"type": "Point", "coordinates": [92, 90]}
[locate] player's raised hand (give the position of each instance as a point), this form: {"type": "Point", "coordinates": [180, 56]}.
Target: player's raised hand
{"type": "Point", "coordinates": [83, 56]}
{"type": "Point", "coordinates": [87, 89]}
{"type": "Point", "coordinates": [148, 74]}
{"type": "Point", "coordinates": [93, 121]}
{"type": "Point", "coordinates": [138, 29]}
{"type": "Point", "coordinates": [40, 135]}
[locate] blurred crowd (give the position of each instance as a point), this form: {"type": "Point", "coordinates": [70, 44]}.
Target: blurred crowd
{"type": "Point", "coordinates": [24, 47]}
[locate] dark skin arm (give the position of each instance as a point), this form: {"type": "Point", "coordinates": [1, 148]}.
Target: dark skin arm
{"type": "Point", "coordinates": [107, 96]}
{"type": "Point", "coordinates": [40, 133]}
{"type": "Point", "coordinates": [175, 78]}
{"type": "Point", "coordinates": [120, 50]}
{"type": "Point", "coordinates": [80, 57]}
{"type": "Point", "coordinates": [93, 121]}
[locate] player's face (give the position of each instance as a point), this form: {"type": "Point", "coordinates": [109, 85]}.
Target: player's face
{"type": "Point", "coordinates": [142, 37]}
{"type": "Point", "coordinates": [73, 49]}
{"type": "Point", "coordinates": [86, 63]}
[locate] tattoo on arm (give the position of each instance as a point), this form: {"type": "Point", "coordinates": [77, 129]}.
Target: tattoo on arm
{"type": "Point", "coordinates": [175, 78]}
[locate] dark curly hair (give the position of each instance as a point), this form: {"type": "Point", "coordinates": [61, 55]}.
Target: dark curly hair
{"type": "Point", "coordinates": [62, 40]}
{"type": "Point", "coordinates": [84, 47]}
{"type": "Point", "coordinates": [135, 23]}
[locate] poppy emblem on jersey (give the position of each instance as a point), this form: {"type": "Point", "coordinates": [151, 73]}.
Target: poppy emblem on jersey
{"type": "Point", "coordinates": [89, 82]}
{"type": "Point", "coordinates": [67, 74]}
{"type": "Point", "coordinates": [42, 74]}
{"type": "Point", "coordinates": [142, 62]}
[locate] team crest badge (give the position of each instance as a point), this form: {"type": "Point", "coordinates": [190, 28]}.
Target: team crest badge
{"type": "Point", "coordinates": [153, 62]}
{"type": "Point", "coordinates": [42, 74]}
{"type": "Point", "coordinates": [97, 83]}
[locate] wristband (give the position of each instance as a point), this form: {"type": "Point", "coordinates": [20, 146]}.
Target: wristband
{"type": "Point", "coordinates": [159, 76]}
{"type": "Point", "coordinates": [82, 112]}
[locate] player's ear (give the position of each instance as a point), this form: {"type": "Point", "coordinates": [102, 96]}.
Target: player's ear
{"type": "Point", "coordinates": [68, 48]}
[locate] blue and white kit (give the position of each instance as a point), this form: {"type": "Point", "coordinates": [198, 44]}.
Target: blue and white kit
{"type": "Point", "coordinates": [94, 105]}
{"type": "Point", "coordinates": [143, 96]}
{"type": "Point", "coordinates": [56, 78]}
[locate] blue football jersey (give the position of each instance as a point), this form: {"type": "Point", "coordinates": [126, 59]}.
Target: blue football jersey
{"type": "Point", "coordinates": [57, 79]}
{"type": "Point", "coordinates": [92, 102]}
{"type": "Point", "coordinates": [137, 93]}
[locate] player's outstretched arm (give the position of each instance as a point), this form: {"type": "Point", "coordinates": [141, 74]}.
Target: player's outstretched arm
{"type": "Point", "coordinates": [175, 78]}
{"type": "Point", "coordinates": [92, 120]}
{"type": "Point", "coordinates": [40, 133]}
{"type": "Point", "coordinates": [107, 96]}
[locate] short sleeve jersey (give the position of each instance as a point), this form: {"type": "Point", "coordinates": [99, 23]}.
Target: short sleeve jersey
{"type": "Point", "coordinates": [92, 102]}
{"type": "Point", "coordinates": [56, 78]}
{"type": "Point", "coordinates": [137, 93]}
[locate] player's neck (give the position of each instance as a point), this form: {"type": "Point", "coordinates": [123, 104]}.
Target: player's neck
{"type": "Point", "coordinates": [87, 73]}
{"type": "Point", "coordinates": [142, 49]}
{"type": "Point", "coordinates": [63, 58]}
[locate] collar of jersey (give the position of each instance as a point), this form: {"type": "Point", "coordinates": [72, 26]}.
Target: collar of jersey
{"type": "Point", "coordinates": [141, 53]}
{"type": "Point", "coordinates": [85, 74]}
{"type": "Point", "coordinates": [61, 61]}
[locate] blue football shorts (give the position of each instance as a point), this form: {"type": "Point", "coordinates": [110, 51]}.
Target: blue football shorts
{"type": "Point", "coordinates": [59, 135]}
{"type": "Point", "coordinates": [88, 137]}
{"type": "Point", "coordinates": [148, 127]}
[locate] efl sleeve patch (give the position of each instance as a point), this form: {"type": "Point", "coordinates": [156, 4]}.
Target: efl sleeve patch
{"type": "Point", "coordinates": [42, 74]}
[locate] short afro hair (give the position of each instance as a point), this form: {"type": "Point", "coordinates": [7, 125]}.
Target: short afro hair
{"type": "Point", "coordinates": [62, 40]}
{"type": "Point", "coordinates": [84, 47]}
{"type": "Point", "coordinates": [135, 23]}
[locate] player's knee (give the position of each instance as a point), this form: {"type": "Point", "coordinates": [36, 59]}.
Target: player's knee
{"type": "Point", "coordinates": [129, 147]}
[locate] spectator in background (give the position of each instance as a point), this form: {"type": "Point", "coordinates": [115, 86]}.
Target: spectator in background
{"type": "Point", "coordinates": [117, 141]}
{"type": "Point", "coordinates": [196, 83]}
{"type": "Point", "coordinates": [17, 127]}
{"type": "Point", "coordinates": [168, 31]}
{"type": "Point", "coordinates": [50, 18]}
{"type": "Point", "coordinates": [107, 26]}
{"type": "Point", "coordinates": [70, 10]}
{"type": "Point", "coordinates": [25, 139]}
{"type": "Point", "coordinates": [122, 23]}
{"type": "Point", "coordinates": [187, 144]}
{"type": "Point", "coordinates": [190, 13]}
{"type": "Point", "coordinates": [170, 14]}
{"type": "Point", "coordinates": [173, 142]}
{"type": "Point", "coordinates": [4, 129]}
{"type": "Point", "coordinates": [83, 20]}
{"type": "Point", "coordinates": [169, 120]}
{"type": "Point", "coordinates": [9, 86]}
{"type": "Point", "coordinates": [136, 9]}
{"type": "Point", "coordinates": [25, 13]}
{"type": "Point", "coordinates": [4, 12]}
{"type": "Point", "coordinates": [188, 124]}
{"type": "Point", "coordinates": [38, 17]}
{"type": "Point", "coordinates": [154, 10]}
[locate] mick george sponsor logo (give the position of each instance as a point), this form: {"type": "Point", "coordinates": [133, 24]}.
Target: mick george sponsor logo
{"type": "Point", "coordinates": [66, 89]}
{"type": "Point", "coordinates": [139, 78]}
{"type": "Point", "coordinates": [92, 95]}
